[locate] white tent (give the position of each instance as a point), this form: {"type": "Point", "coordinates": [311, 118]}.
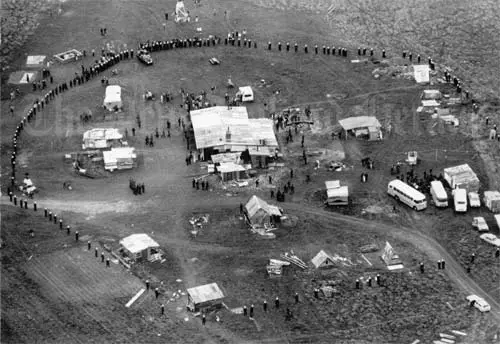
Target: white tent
{"type": "Point", "coordinates": [336, 194]}
{"type": "Point", "coordinates": [246, 94]}
{"type": "Point", "coordinates": [101, 138]}
{"type": "Point", "coordinates": [113, 98]}
{"type": "Point", "coordinates": [431, 94]}
{"type": "Point", "coordinates": [421, 73]}
{"type": "Point", "coordinates": [119, 158]}
{"type": "Point", "coordinates": [138, 246]}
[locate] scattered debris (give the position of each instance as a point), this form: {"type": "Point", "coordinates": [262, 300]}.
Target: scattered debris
{"type": "Point", "coordinates": [369, 248]}
{"type": "Point", "coordinates": [292, 258]}
{"type": "Point", "coordinates": [132, 300]}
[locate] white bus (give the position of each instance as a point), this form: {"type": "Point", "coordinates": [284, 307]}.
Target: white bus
{"type": "Point", "coordinates": [438, 193]}
{"type": "Point", "coordinates": [406, 194]}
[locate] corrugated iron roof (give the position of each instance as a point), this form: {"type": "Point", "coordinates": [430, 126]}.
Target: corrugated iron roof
{"type": "Point", "coordinates": [359, 122]}
{"type": "Point", "coordinates": [204, 293]}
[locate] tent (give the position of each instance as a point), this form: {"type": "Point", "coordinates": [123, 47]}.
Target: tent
{"type": "Point", "coordinates": [204, 297]}
{"type": "Point", "coordinates": [259, 212]}
{"type": "Point", "coordinates": [421, 73]}
{"type": "Point", "coordinates": [139, 246]}
{"type": "Point", "coordinates": [492, 200]}
{"type": "Point", "coordinates": [463, 177]}
{"type": "Point", "coordinates": [336, 194]}
{"type": "Point", "coordinates": [101, 138]}
{"type": "Point", "coordinates": [368, 125]}
{"type": "Point", "coordinates": [245, 94]}
{"type": "Point", "coordinates": [322, 260]}
{"type": "Point", "coordinates": [113, 98]}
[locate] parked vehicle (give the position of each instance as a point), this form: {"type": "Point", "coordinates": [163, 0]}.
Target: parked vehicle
{"type": "Point", "coordinates": [480, 224]}
{"type": "Point", "coordinates": [474, 200]}
{"type": "Point", "coordinates": [406, 194]}
{"type": "Point", "coordinates": [412, 158]}
{"type": "Point", "coordinates": [460, 200]}
{"type": "Point", "coordinates": [479, 303]}
{"type": "Point", "coordinates": [438, 193]}
{"type": "Point", "coordinates": [491, 239]}
{"type": "Point", "coordinates": [144, 57]}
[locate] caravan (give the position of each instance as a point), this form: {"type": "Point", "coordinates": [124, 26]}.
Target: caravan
{"type": "Point", "coordinates": [438, 194]}
{"type": "Point", "coordinates": [245, 94]}
{"type": "Point", "coordinates": [460, 200]}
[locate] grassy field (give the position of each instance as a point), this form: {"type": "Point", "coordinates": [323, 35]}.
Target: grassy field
{"type": "Point", "coordinates": [64, 286]}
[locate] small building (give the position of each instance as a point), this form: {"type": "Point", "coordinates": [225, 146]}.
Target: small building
{"type": "Point", "coordinates": [421, 73]}
{"type": "Point", "coordinates": [362, 126]}
{"type": "Point", "coordinates": [102, 138]}
{"type": "Point", "coordinates": [260, 213]}
{"type": "Point", "coordinates": [492, 200]}
{"type": "Point", "coordinates": [462, 177]}
{"type": "Point", "coordinates": [231, 171]}
{"type": "Point", "coordinates": [113, 98]}
{"type": "Point", "coordinates": [139, 247]}
{"type": "Point", "coordinates": [431, 95]}
{"type": "Point", "coordinates": [336, 194]}
{"type": "Point", "coordinates": [120, 158]}
{"type": "Point", "coordinates": [201, 298]}
{"type": "Point", "coordinates": [245, 94]}
{"type": "Point", "coordinates": [323, 260]}
{"type": "Point", "coordinates": [36, 61]}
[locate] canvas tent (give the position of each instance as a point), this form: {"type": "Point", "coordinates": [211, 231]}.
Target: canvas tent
{"type": "Point", "coordinates": [322, 260]}
{"type": "Point", "coordinates": [492, 200]}
{"type": "Point", "coordinates": [139, 246]}
{"type": "Point", "coordinates": [463, 177]}
{"type": "Point", "coordinates": [120, 158]}
{"type": "Point", "coordinates": [421, 73]}
{"type": "Point", "coordinates": [260, 213]}
{"type": "Point", "coordinates": [363, 125]}
{"type": "Point", "coordinates": [390, 258]}
{"type": "Point", "coordinates": [336, 194]}
{"type": "Point", "coordinates": [113, 98]}
{"type": "Point", "coordinates": [101, 138]}
{"type": "Point", "coordinates": [204, 297]}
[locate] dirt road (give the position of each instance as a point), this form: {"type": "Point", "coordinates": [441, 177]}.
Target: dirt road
{"type": "Point", "coordinates": [427, 244]}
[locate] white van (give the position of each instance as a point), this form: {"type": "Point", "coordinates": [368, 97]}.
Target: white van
{"type": "Point", "coordinates": [245, 94]}
{"type": "Point", "coordinates": [406, 194]}
{"type": "Point", "coordinates": [479, 303]}
{"type": "Point", "coordinates": [438, 193]}
{"type": "Point", "coordinates": [460, 200]}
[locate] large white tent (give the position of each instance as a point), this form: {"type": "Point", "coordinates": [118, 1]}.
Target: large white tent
{"type": "Point", "coordinates": [113, 98]}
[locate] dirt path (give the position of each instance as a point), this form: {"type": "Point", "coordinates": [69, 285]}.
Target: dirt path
{"type": "Point", "coordinates": [425, 243]}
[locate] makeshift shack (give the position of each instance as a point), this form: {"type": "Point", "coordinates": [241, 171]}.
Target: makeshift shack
{"type": "Point", "coordinates": [421, 73]}
{"type": "Point", "coordinates": [113, 98]}
{"type": "Point", "coordinates": [323, 260]}
{"type": "Point", "coordinates": [260, 213]}
{"type": "Point", "coordinates": [102, 138]}
{"type": "Point", "coordinates": [68, 56]}
{"type": "Point", "coordinates": [431, 95]}
{"type": "Point", "coordinates": [492, 200]}
{"type": "Point", "coordinates": [462, 177]}
{"type": "Point", "coordinates": [205, 297]}
{"type": "Point", "coordinates": [139, 247]}
{"type": "Point", "coordinates": [245, 94]}
{"type": "Point", "coordinates": [36, 61]}
{"type": "Point", "coordinates": [120, 158]}
{"type": "Point", "coordinates": [362, 126]}
{"type": "Point", "coordinates": [336, 194]}
{"type": "Point", "coordinates": [230, 171]}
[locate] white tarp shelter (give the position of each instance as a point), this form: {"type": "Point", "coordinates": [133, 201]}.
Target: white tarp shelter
{"type": "Point", "coordinates": [36, 61]}
{"type": "Point", "coordinates": [139, 246]}
{"type": "Point", "coordinates": [322, 260]}
{"type": "Point", "coordinates": [431, 94]}
{"type": "Point", "coordinates": [204, 296]}
{"type": "Point", "coordinates": [336, 194]}
{"type": "Point", "coordinates": [368, 124]}
{"type": "Point", "coordinates": [101, 138]}
{"type": "Point", "coordinates": [119, 158]}
{"type": "Point", "coordinates": [259, 212]}
{"type": "Point", "coordinates": [421, 73]}
{"type": "Point", "coordinates": [462, 177]}
{"type": "Point", "coordinates": [113, 98]}
{"type": "Point", "coordinates": [492, 200]}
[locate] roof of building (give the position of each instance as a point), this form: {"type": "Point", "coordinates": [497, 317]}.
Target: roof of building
{"type": "Point", "coordinates": [255, 204]}
{"type": "Point", "coordinates": [211, 125]}
{"type": "Point", "coordinates": [245, 89]}
{"type": "Point", "coordinates": [342, 191]}
{"type": "Point", "coordinates": [226, 157]}
{"type": "Point", "coordinates": [226, 167]}
{"type": "Point", "coordinates": [320, 258]}
{"type": "Point", "coordinates": [359, 122]}
{"type": "Point", "coordinates": [138, 242]}
{"type": "Point", "coordinates": [102, 134]}
{"type": "Point", "coordinates": [461, 174]}
{"type": "Point", "coordinates": [492, 195]}
{"type": "Point", "coordinates": [332, 184]}
{"type": "Point", "coordinates": [115, 154]}
{"type": "Point", "coordinates": [205, 293]}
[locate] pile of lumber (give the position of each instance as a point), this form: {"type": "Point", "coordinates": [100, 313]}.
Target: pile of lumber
{"type": "Point", "coordinates": [290, 257]}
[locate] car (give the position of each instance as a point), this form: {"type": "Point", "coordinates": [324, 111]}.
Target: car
{"type": "Point", "coordinates": [474, 200]}
{"type": "Point", "coordinates": [480, 224]}
{"type": "Point", "coordinates": [214, 61]}
{"type": "Point", "coordinates": [479, 303]}
{"type": "Point", "coordinates": [144, 57]}
{"type": "Point", "coordinates": [491, 238]}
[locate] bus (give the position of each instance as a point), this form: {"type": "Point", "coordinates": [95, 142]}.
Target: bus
{"type": "Point", "coordinates": [438, 193]}
{"type": "Point", "coordinates": [406, 194]}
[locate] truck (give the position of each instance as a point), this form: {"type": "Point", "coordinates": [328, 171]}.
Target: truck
{"type": "Point", "coordinates": [460, 200]}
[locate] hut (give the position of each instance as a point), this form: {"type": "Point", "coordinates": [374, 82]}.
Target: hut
{"type": "Point", "coordinates": [205, 297]}
{"type": "Point", "coordinates": [363, 126]}
{"type": "Point", "coordinates": [260, 213]}
{"type": "Point", "coordinates": [322, 260]}
{"type": "Point", "coordinates": [462, 177]}
{"type": "Point", "coordinates": [139, 247]}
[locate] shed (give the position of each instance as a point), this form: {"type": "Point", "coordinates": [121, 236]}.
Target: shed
{"type": "Point", "coordinates": [323, 260]}
{"type": "Point", "coordinates": [492, 200]}
{"type": "Point", "coordinates": [36, 61]}
{"type": "Point", "coordinates": [139, 246]}
{"type": "Point", "coordinates": [431, 94]}
{"type": "Point", "coordinates": [113, 98]}
{"type": "Point", "coordinates": [231, 171]}
{"type": "Point", "coordinates": [101, 138]}
{"type": "Point", "coordinates": [336, 194]}
{"type": "Point", "coordinates": [421, 73]}
{"type": "Point", "coordinates": [120, 158]}
{"type": "Point", "coordinates": [462, 177]}
{"type": "Point", "coordinates": [368, 125]}
{"type": "Point", "coordinates": [259, 212]}
{"type": "Point", "coordinates": [204, 297]}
